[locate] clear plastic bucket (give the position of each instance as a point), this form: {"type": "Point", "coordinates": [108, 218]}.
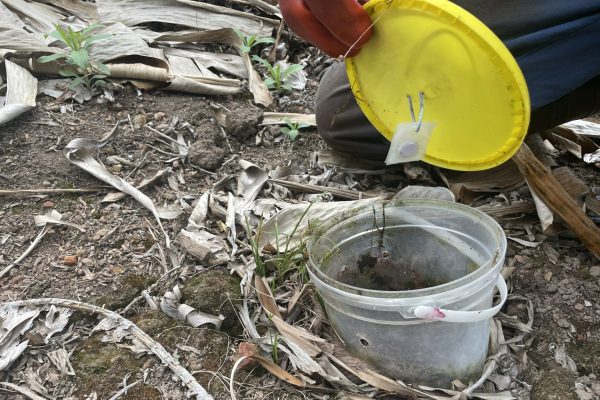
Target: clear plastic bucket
{"type": "Point", "coordinates": [408, 286]}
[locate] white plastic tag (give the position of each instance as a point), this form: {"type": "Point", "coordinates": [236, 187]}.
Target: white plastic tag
{"type": "Point", "coordinates": [408, 144]}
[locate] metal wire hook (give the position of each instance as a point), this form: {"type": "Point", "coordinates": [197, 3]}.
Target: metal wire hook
{"type": "Point", "coordinates": [421, 109]}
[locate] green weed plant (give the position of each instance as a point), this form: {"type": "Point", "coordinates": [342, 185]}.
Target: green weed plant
{"type": "Point", "coordinates": [77, 64]}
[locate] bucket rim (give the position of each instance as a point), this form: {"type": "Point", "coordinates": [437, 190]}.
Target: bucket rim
{"type": "Point", "coordinates": [486, 271]}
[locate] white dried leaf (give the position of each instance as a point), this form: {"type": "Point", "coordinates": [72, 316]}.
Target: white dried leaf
{"type": "Point", "coordinates": [296, 80]}
{"type": "Point", "coordinates": [60, 358]}
{"type": "Point", "coordinates": [56, 320]}
{"type": "Point", "coordinates": [117, 332]}
{"type": "Point", "coordinates": [116, 196]}
{"type": "Point", "coordinates": [23, 390]}
{"type": "Point", "coordinates": [562, 358]}
{"type": "Point", "coordinates": [301, 359]}
{"type": "Point", "coordinates": [585, 128]}
{"type": "Point", "coordinates": [20, 93]}
{"type": "Point", "coordinates": [14, 322]}
{"type": "Point", "coordinates": [55, 218]}
{"type": "Point", "coordinates": [189, 349]}
{"type": "Point", "coordinates": [200, 212]}
{"type": "Point", "coordinates": [169, 212]}
{"type": "Point", "coordinates": [289, 221]}
{"type": "Point", "coordinates": [197, 318]}
{"type": "Point", "coordinates": [425, 192]}
{"type": "Point", "coordinates": [136, 346]}
{"type": "Point", "coordinates": [170, 302]}
{"type": "Point", "coordinates": [9, 353]}
{"type": "Point", "coordinates": [210, 249]}
{"type": "Point", "coordinates": [544, 213]}
{"type": "Point", "coordinates": [525, 243]}
{"type": "Point", "coordinates": [80, 152]}
{"type": "Point", "coordinates": [106, 324]}
{"type": "Point", "coordinates": [170, 305]}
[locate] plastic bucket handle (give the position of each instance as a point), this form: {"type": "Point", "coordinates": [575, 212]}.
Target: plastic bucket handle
{"type": "Point", "coordinates": [440, 314]}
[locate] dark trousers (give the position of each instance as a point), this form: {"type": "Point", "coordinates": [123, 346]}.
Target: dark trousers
{"type": "Point", "coordinates": [555, 42]}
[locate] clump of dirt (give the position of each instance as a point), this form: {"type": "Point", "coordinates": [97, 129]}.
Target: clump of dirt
{"type": "Point", "coordinates": [101, 367]}
{"type": "Point", "coordinates": [379, 272]}
{"type": "Point", "coordinates": [215, 292]}
{"type": "Point", "coordinates": [126, 289]}
{"type": "Point", "coordinates": [207, 151]}
{"type": "Point", "coordinates": [243, 123]}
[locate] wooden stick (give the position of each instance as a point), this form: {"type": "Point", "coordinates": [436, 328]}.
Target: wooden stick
{"type": "Point", "coordinates": [16, 192]}
{"type": "Point", "coordinates": [546, 186]}
{"type": "Point", "coordinates": [345, 194]}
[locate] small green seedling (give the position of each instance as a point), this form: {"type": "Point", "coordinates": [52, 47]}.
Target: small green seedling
{"type": "Point", "coordinates": [292, 130]}
{"type": "Point", "coordinates": [275, 349]}
{"type": "Point", "coordinates": [248, 42]}
{"type": "Point", "coordinates": [278, 75]}
{"type": "Point", "coordinates": [77, 63]}
{"type": "Point", "coordinates": [261, 268]}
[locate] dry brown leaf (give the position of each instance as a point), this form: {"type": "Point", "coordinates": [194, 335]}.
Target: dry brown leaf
{"type": "Point", "coordinates": [501, 178]}
{"type": "Point", "coordinates": [358, 369]}
{"type": "Point", "coordinates": [593, 204]}
{"type": "Point", "coordinates": [301, 338]}
{"type": "Point", "coordinates": [571, 183]}
{"type": "Point", "coordinates": [570, 141]}
{"type": "Point", "coordinates": [277, 370]}
{"type": "Point", "coordinates": [265, 296]}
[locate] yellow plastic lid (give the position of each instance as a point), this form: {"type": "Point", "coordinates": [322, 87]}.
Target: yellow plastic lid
{"type": "Point", "coordinates": [474, 91]}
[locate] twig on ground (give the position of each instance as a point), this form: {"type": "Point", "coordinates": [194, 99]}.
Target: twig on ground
{"type": "Point", "coordinates": [337, 192]}
{"type": "Point", "coordinates": [17, 192]}
{"type": "Point", "coordinates": [231, 381]}
{"type": "Point", "coordinates": [32, 246]}
{"type": "Point", "coordinates": [123, 391]}
{"type": "Point", "coordinates": [166, 153]}
{"type": "Point", "coordinates": [167, 359]}
{"type": "Point", "coordinates": [224, 134]}
{"type": "Point", "coordinates": [273, 52]}
{"type": "Point", "coordinates": [162, 134]}
{"type": "Point", "coordinates": [203, 170]}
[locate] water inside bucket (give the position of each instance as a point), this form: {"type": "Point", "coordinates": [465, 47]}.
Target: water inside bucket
{"type": "Point", "coordinates": [401, 258]}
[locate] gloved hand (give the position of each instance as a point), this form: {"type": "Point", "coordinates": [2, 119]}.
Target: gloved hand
{"type": "Point", "coordinates": [331, 25]}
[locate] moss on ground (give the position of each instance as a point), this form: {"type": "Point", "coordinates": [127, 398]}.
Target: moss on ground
{"type": "Point", "coordinates": [585, 355]}
{"type": "Point", "coordinates": [130, 286]}
{"type": "Point", "coordinates": [200, 350]}
{"type": "Point", "coordinates": [101, 367]}
{"type": "Point", "coordinates": [215, 292]}
{"type": "Point", "coordinates": [556, 383]}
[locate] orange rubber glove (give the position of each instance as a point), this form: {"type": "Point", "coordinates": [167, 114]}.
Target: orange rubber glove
{"type": "Point", "coordinates": [331, 25]}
